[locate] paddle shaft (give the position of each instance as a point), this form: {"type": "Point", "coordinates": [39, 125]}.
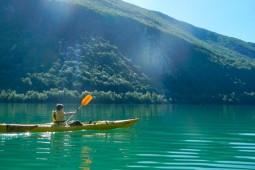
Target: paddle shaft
{"type": "Point", "coordinates": [84, 102]}
{"type": "Point", "coordinates": [74, 113]}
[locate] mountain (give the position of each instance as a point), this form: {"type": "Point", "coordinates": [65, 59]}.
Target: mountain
{"type": "Point", "coordinates": [61, 50]}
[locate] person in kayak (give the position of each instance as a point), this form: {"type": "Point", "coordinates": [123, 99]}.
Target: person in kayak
{"type": "Point", "coordinates": [59, 114]}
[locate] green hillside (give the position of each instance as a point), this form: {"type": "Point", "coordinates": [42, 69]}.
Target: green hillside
{"type": "Point", "coordinates": [61, 50]}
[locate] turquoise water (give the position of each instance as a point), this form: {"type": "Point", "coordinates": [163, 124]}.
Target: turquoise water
{"type": "Point", "coordinates": [166, 137]}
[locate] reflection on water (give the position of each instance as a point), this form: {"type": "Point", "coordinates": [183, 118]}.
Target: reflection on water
{"type": "Point", "coordinates": [166, 137]}
{"type": "Point", "coordinates": [25, 113]}
{"type": "Point", "coordinates": [65, 150]}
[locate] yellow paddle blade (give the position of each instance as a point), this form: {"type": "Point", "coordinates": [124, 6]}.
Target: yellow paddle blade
{"type": "Point", "coordinates": [86, 100]}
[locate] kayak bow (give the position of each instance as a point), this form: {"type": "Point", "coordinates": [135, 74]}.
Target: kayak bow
{"type": "Point", "coordinates": [50, 127]}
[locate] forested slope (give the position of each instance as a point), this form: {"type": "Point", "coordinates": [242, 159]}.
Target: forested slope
{"type": "Point", "coordinates": [61, 50]}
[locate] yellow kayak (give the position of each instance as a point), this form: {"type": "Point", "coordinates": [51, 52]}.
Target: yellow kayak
{"type": "Point", "coordinates": [51, 127]}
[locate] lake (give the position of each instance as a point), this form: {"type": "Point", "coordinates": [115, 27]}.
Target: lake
{"type": "Point", "coordinates": [189, 137]}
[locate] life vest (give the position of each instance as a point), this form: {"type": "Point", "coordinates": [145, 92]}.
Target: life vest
{"type": "Point", "coordinates": [54, 115]}
{"type": "Point", "coordinates": [58, 118]}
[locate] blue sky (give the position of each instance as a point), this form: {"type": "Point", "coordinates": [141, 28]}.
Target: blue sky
{"type": "Point", "coordinates": [233, 18]}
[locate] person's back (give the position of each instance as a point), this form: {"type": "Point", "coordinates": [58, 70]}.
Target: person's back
{"type": "Point", "coordinates": [58, 115]}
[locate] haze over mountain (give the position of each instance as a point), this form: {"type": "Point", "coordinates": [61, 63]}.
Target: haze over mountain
{"type": "Point", "coordinates": [61, 50]}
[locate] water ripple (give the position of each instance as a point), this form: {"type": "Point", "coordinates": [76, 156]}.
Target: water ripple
{"type": "Point", "coordinates": [159, 141]}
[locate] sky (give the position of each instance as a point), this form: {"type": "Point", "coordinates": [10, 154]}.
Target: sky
{"type": "Point", "coordinates": [233, 18]}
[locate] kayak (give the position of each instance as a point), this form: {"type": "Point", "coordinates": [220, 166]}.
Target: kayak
{"type": "Point", "coordinates": [51, 127]}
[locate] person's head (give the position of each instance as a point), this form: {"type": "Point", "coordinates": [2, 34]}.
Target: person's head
{"type": "Point", "coordinates": [59, 106]}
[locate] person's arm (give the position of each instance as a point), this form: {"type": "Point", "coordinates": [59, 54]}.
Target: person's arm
{"type": "Point", "coordinates": [69, 113]}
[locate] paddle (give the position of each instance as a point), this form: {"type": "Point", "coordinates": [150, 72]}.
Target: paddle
{"type": "Point", "coordinates": [84, 102]}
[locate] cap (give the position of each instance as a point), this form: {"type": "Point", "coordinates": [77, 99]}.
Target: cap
{"type": "Point", "coordinates": [59, 106]}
